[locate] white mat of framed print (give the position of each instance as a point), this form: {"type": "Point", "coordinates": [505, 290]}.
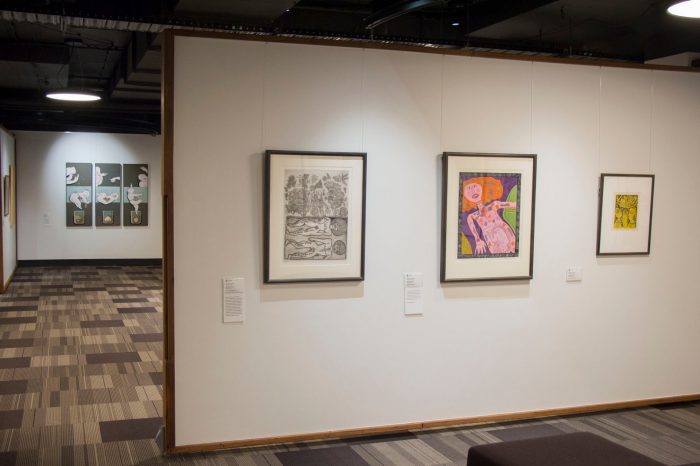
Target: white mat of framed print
{"type": "Point", "coordinates": [624, 214]}
{"type": "Point", "coordinates": [314, 216]}
{"type": "Point", "coordinates": [488, 211]}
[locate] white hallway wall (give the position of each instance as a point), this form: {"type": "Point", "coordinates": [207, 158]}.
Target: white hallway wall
{"type": "Point", "coordinates": [9, 232]}
{"type": "Point", "coordinates": [41, 186]}
{"type": "Point", "coordinates": [319, 357]}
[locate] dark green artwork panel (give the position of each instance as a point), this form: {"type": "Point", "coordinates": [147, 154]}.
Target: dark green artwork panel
{"type": "Point", "coordinates": [78, 194]}
{"type": "Point", "coordinates": [135, 195]}
{"type": "Point", "coordinates": [108, 194]}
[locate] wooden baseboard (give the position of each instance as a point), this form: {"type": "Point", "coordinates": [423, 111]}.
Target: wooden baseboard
{"type": "Point", "coordinates": [361, 432]}
{"type": "Point", "coordinates": [88, 262]}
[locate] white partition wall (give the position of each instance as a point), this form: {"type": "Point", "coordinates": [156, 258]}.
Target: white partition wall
{"type": "Point", "coordinates": [328, 357]}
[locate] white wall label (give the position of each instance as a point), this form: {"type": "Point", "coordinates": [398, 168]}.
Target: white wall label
{"type": "Point", "coordinates": [574, 274]}
{"type": "Point", "coordinates": [233, 299]}
{"type": "Point", "coordinates": [413, 293]}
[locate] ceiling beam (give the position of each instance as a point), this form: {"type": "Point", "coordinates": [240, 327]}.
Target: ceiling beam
{"type": "Point", "coordinates": [57, 54]}
{"type": "Point", "coordinates": [487, 13]}
{"type": "Point", "coordinates": [398, 9]}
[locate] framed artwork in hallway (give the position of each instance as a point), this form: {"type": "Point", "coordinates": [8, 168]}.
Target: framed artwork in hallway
{"type": "Point", "coordinates": [78, 194]}
{"type": "Point", "coordinates": [135, 194]}
{"type": "Point", "coordinates": [314, 216]}
{"type": "Point", "coordinates": [6, 195]}
{"type": "Point", "coordinates": [488, 211]}
{"type": "Point", "coordinates": [625, 206]}
{"type": "Point", "coordinates": [108, 183]}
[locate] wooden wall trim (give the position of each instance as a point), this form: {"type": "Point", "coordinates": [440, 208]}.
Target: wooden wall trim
{"type": "Point", "coordinates": [421, 49]}
{"type": "Point", "coordinates": [167, 127]}
{"type": "Point", "coordinates": [349, 433]}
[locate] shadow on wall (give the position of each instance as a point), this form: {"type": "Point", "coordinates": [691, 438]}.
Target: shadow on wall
{"type": "Point", "coordinates": [320, 291]}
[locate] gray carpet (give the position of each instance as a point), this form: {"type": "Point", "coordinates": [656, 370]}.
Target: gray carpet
{"type": "Point", "coordinates": [669, 434]}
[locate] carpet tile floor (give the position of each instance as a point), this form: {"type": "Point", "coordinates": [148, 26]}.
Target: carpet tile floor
{"type": "Point", "coordinates": [81, 366]}
{"type": "Point", "coordinates": [81, 384]}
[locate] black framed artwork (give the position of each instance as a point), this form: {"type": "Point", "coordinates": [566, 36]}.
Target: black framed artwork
{"type": "Point", "coordinates": [314, 221]}
{"type": "Point", "coordinates": [625, 207]}
{"type": "Point", "coordinates": [488, 216]}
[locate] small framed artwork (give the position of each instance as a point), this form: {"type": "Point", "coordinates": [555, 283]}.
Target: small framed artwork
{"type": "Point", "coordinates": [6, 195]}
{"type": "Point", "coordinates": [314, 216]}
{"type": "Point", "coordinates": [624, 214]}
{"type": "Point", "coordinates": [78, 217]}
{"type": "Point", "coordinates": [488, 216]}
{"type": "Point", "coordinates": [107, 217]}
{"type": "Point", "coordinates": [13, 195]}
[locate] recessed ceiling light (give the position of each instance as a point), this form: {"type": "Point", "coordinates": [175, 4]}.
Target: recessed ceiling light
{"type": "Point", "coordinates": [73, 96]}
{"type": "Point", "coordinates": [688, 9]}
{"type": "Point", "coordinates": [455, 23]}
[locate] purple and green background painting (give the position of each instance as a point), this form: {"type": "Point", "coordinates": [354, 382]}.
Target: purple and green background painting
{"type": "Point", "coordinates": [489, 215]}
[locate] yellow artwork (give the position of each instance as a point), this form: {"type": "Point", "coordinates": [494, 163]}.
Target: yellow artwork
{"type": "Point", "coordinates": [626, 211]}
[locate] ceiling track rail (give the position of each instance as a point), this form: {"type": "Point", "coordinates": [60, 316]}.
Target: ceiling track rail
{"type": "Point", "coordinates": [139, 25]}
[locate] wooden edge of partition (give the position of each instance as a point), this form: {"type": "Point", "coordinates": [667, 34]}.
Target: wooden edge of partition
{"type": "Point", "coordinates": [365, 44]}
{"type": "Point", "coordinates": [2, 236]}
{"type": "Point", "coordinates": [6, 285]}
{"type": "Point", "coordinates": [167, 127]}
{"type": "Point", "coordinates": [349, 433]}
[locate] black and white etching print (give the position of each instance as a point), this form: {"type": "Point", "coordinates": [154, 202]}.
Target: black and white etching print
{"type": "Point", "coordinates": [316, 214]}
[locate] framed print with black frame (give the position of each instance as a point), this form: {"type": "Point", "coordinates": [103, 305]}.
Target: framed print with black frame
{"type": "Point", "coordinates": [6, 195]}
{"type": "Point", "coordinates": [314, 224]}
{"type": "Point", "coordinates": [625, 206]}
{"type": "Point", "coordinates": [488, 216]}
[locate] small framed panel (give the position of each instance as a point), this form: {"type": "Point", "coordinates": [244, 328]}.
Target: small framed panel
{"type": "Point", "coordinates": [6, 195]}
{"type": "Point", "coordinates": [625, 206]}
{"type": "Point", "coordinates": [108, 183]}
{"type": "Point", "coordinates": [135, 195]}
{"type": "Point", "coordinates": [488, 216]}
{"type": "Point", "coordinates": [314, 216]}
{"type": "Point", "coordinates": [78, 194]}
{"type": "Point", "coordinates": [13, 195]}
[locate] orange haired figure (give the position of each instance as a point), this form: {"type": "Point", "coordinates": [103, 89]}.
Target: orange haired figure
{"type": "Point", "coordinates": [496, 236]}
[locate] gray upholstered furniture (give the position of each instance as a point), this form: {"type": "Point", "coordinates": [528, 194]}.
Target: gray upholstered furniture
{"type": "Point", "coordinates": [577, 449]}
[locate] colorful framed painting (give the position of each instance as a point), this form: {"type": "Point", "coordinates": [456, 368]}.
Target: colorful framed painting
{"type": "Point", "coordinates": [78, 194]}
{"type": "Point", "coordinates": [624, 214]}
{"type": "Point", "coordinates": [488, 216]}
{"type": "Point", "coordinates": [108, 184]}
{"type": "Point", "coordinates": [314, 216]}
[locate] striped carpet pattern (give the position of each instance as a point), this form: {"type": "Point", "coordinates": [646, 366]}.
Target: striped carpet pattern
{"type": "Point", "coordinates": [81, 366]}
{"type": "Point", "coordinates": [81, 375]}
{"type": "Point", "coordinates": [669, 434]}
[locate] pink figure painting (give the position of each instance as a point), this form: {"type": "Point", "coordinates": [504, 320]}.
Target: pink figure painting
{"type": "Point", "coordinates": [486, 231]}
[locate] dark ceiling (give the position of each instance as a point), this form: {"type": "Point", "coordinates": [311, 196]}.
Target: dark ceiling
{"type": "Point", "coordinates": [113, 47]}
